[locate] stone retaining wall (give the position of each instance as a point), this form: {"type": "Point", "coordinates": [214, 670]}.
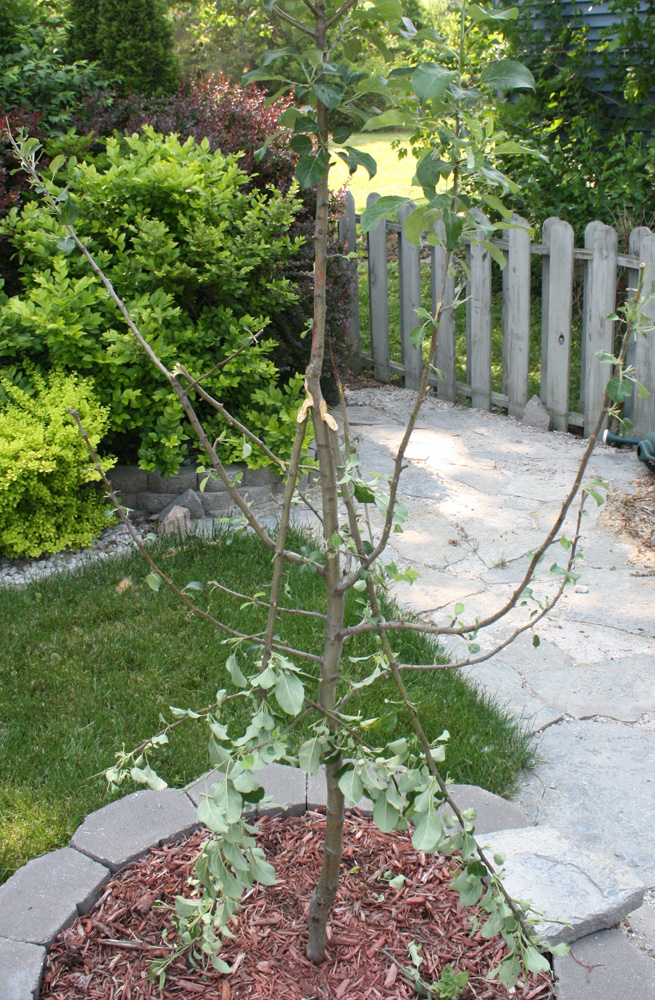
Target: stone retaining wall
{"type": "Point", "coordinates": [150, 493]}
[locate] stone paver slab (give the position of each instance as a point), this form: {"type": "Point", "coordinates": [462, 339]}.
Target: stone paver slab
{"type": "Point", "coordinates": [588, 891]}
{"type": "Point", "coordinates": [596, 783]}
{"type": "Point", "coordinates": [47, 893]}
{"type": "Point", "coordinates": [502, 683]}
{"type": "Point", "coordinates": [620, 971]}
{"type": "Point", "coordinates": [621, 689]}
{"type": "Point", "coordinates": [21, 968]}
{"type": "Point", "coordinates": [125, 829]}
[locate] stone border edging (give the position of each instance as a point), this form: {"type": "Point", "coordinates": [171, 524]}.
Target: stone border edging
{"type": "Point", "coordinates": [44, 896]}
{"type": "Point", "coordinates": [150, 493]}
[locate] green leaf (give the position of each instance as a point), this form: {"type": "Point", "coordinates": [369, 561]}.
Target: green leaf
{"type": "Point", "coordinates": [414, 225]}
{"type": "Point", "coordinates": [363, 160]}
{"type": "Point", "coordinates": [393, 118]}
{"type": "Point", "coordinates": [228, 800]}
{"type": "Point", "coordinates": [430, 81]}
{"type": "Point", "coordinates": [66, 244]}
{"type": "Point", "coordinates": [507, 74]}
{"type": "Point", "coordinates": [385, 816]}
{"type": "Point", "coordinates": [310, 169]}
{"type": "Point", "coordinates": [619, 389]}
{"type": "Point", "coordinates": [536, 641]}
{"type": "Point", "coordinates": [212, 816]}
{"type": "Point", "coordinates": [341, 134]}
{"type": "Point", "coordinates": [535, 961]}
{"type": "Point", "coordinates": [289, 692]}
{"type": "Point", "coordinates": [235, 673]}
{"type": "Point", "coordinates": [154, 581]}
{"type": "Point", "coordinates": [380, 209]}
{"type": "Point", "coordinates": [430, 169]}
{"type": "Point", "coordinates": [479, 15]}
{"type": "Point", "coordinates": [68, 212]}
{"type": "Point", "coordinates": [262, 871]}
{"type": "Point", "coordinates": [309, 755]}
{"type": "Point", "coordinates": [272, 54]}
{"type": "Point", "coordinates": [302, 144]}
{"type": "Point", "coordinates": [416, 337]}
{"type": "Point", "coordinates": [193, 585]}
{"type": "Point", "coordinates": [428, 832]}
{"type": "Point", "coordinates": [351, 785]}
{"type": "Point", "coordinates": [363, 494]}
{"type": "Point", "coordinates": [328, 94]}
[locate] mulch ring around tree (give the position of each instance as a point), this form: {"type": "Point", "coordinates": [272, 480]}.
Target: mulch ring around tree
{"type": "Point", "coordinates": [107, 954]}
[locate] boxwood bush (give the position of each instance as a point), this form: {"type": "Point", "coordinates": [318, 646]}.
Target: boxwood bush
{"type": "Point", "coordinates": [199, 261]}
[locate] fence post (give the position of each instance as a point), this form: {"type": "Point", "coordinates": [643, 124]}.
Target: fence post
{"type": "Point", "coordinates": [598, 331]}
{"type": "Point", "coordinates": [348, 237]}
{"type": "Point", "coordinates": [409, 276]}
{"type": "Point", "coordinates": [516, 316]}
{"type": "Point", "coordinates": [445, 358]}
{"type": "Point", "coordinates": [643, 410]}
{"type": "Point", "coordinates": [632, 282]}
{"type": "Point", "coordinates": [479, 325]}
{"type": "Point", "coordinates": [556, 320]}
{"type": "Point", "coordinates": [378, 294]}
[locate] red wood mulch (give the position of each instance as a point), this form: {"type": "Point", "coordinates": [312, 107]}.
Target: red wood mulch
{"type": "Point", "coordinates": [106, 955]}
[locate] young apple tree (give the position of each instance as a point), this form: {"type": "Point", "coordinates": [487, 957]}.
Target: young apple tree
{"type": "Point", "coordinates": [449, 107]}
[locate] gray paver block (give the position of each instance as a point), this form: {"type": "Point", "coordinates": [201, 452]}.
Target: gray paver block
{"type": "Point", "coordinates": [21, 968]}
{"type": "Point", "coordinates": [316, 790]}
{"type": "Point", "coordinates": [128, 478]}
{"type": "Point", "coordinates": [184, 480]}
{"type": "Point", "coordinates": [188, 499]}
{"type": "Point", "coordinates": [47, 893]}
{"type": "Point", "coordinates": [588, 891]}
{"type": "Point", "coordinates": [153, 503]}
{"type": "Point", "coordinates": [642, 922]}
{"type": "Point", "coordinates": [494, 812]}
{"type": "Point", "coordinates": [217, 503]}
{"type": "Point", "coordinates": [285, 785]}
{"type": "Point", "coordinates": [125, 829]}
{"type": "Point", "coordinates": [262, 477]}
{"type": "Point", "coordinates": [622, 972]}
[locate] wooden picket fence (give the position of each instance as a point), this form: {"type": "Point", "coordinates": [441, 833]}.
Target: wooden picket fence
{"type": "Point", "coordinates": [600, 268]}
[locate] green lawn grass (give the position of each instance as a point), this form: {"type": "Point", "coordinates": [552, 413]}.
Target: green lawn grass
{"type": "Point", "coordinates": [393, 176]}
{"type": "Point", "coordinates": [90, 661]}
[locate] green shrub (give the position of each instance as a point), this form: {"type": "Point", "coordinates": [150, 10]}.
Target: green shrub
{"type": "Point", "coordinates": [131, 39]}
{"type": "Point", "coordinates": [198, 261]}
{"type": "Point", "coordinates": [47, 500]}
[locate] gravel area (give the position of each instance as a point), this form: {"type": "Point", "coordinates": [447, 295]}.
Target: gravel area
{"type": "Point", "coordinates": [113, 541]}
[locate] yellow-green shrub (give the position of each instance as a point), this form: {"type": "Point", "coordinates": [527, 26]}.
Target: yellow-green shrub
{"type": "Point", "coordinates": [47, 500]}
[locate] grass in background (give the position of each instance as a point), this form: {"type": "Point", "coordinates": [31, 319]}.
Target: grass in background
{"type": "Point", "coordinates": [90, 661]}
{"type": "Point", "coordinates": [393, 176]}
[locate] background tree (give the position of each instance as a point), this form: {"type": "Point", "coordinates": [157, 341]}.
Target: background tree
{"type": "Point", "coordinates": [131, 39]}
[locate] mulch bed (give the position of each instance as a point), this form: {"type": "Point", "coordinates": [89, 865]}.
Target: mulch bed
{"type": "Point", "coordinates": [106, 955]}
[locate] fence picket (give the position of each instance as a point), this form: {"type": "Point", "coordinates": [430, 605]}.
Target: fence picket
{"type": "Point", "coordinates": [378, 287]}
{"type": "Point", "coordinates": [348, 236]}
{"type": "Point", "coordinates": [556, 320]}
{"type": "Point", "coordinates": [516, 317]}
{"type": "Point", "coordinates": [598, 332]}
{"type": "Point", "coordinates": [643, 411]}
{"type": "Point", "coordinates": [445, 358]}
{"type": "Point", "coordinates": [632, 283]}
{"type": "Point", "coordinates": [409, 276]}
{"type": "Point", "coordinates": [479, 325]}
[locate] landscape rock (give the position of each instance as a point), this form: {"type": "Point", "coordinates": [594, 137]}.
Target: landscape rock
{"type": "Point", "coordinates": [177, 521]}
{"type": "Point", "coordinates": [21, 968]}
{"type": "Point", "coordinates": [125, 829]}
{"type": "Point", "coordinates": [493, 811]}
{"type": "Point", "coordinates": [536, 415]}
{"type": "Point", "coordinates": [46, 895]}
{"type": "Point", "coordinates": [588, 891]}
{"type": "Point", "coordinates": [188, 499]}
{"type": "Point", "coordinates": [614, 969]}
